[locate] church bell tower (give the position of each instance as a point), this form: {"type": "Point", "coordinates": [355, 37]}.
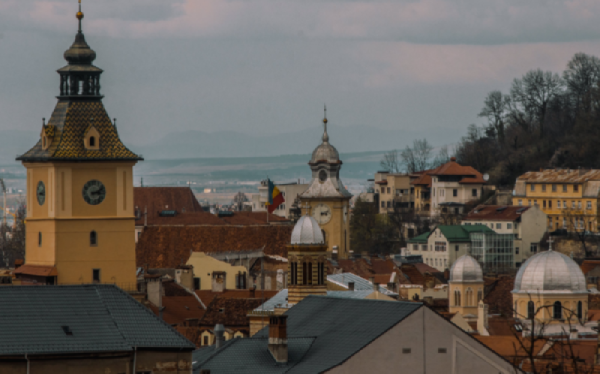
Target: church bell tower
{"type": "Point", "coordinates": [80, 219]}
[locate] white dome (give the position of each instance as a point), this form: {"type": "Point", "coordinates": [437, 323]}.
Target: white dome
{"type": "Point", "coordinates": [466, 269]}
{"type": "Point", "coordinates": [550, 272]}
{"type": "Point", "coordinates": [307, 231]}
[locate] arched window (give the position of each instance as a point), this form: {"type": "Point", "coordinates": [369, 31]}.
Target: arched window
{"type": "Point", "coordinates": [557, 310]}
{"type": "Point", "coordinates": [92, 141]}
{"type": "Point", "coordinates": [93, 238]}
{"type": "Point", "coordinates": [310, 272]}
{"type": "Point", "coordinates": [294, 273]}
{"type": "Point", "coordinates": [479, 296]}
{"type": "Point", "coordinates": [579, 310]}
{"type": "Point", "coordinates": [530, 310]}
{"type": "Point", "coordinates": [39, 239]}
{"type": "Point", "coordinates": [469, 297]}
{"type": "Point", "coordinates": [456, 298]}
{"type": "Point", "coordinates": [304, 273]}
{"type": "Point", "coordinates": [321, 273]}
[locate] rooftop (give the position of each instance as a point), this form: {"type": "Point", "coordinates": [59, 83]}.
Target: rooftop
{"type": "Point", "coordinates": [560, 176]}
{"type": "Point", "coordinates": [509, 213]}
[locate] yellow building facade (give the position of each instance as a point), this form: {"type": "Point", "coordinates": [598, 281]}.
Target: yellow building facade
{"type": "Point", "coordinates": [80, 218]}
{"type": "Point", "coordinates": [326, 199]}
{"type": "Point", "coordinates": [570, 198]}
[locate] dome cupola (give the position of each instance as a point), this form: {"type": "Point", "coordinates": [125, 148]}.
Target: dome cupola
{"type": "Point", "coordinates": [307, 232]}
{"type": "Point", "coordinates": [550, 272]}
{"type": "Point", "coordinates": [466, 269]}
{"type": "Point", "coordinates": [325, 152]}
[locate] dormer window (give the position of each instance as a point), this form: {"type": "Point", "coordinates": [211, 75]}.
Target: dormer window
{"type": "Point", "coordinates": [91, 139]}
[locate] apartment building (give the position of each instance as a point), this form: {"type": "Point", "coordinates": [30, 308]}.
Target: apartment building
{"type": "Point", "coordinates": [447, 189]}
{"type": "Point", "coordinates": [395, 191]}
{"type": "Point", "coordinates": [568, 197]}
{"type": "Point", "coordinates": [290, 192]}
{"type": "Point", "coordinates": [526, 224]}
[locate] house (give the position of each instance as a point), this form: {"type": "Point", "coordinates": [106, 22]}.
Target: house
{"type": "Point", "coordinates": [444, 244]}
{"type": "Point", "coordinates": [327, 334]}
{"type": "Point", "coordinates": [395, 191]}
{"type": "Point", "coordinates": [527, 224]}
{"type": "Point", "coordinates": [205, 265]}
{"type": "Point", "coordinates": [569, 197]}
{"type": "Point", "coordinates": [85, 329]}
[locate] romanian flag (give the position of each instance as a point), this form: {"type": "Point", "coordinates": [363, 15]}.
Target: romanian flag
{"type": "Point", "coordinates": [275, 197]}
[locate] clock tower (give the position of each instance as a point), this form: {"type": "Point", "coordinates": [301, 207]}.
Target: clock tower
{"type": "Point", "coordinates": [80, 219]}
{"type": "Point", "coordinates": [326, 199]}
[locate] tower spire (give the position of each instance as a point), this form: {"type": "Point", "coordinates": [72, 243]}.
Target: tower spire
{"type": "Point", "coordinates": [325, 135]}
{"type": "Point", "coordinates": [80, 16]}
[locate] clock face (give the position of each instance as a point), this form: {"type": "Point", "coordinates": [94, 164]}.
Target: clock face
{"type": "Point", "coordinates": [94, 192]}
{"type": "Point", "coordinates": [41, 193]}
{"type": "Point", "coordinates": [322, 214]}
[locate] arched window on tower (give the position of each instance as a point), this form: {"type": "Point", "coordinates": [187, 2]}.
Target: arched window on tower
{"type": "Point", "coordinates": [93, 238]}
{"type": "Point", "coordinates": [293, 271]}
{"type": "Point", "coordinates": [557, 310]}
{"type": "Point", "coordinates": [310, 272]}
{"type": "Point", "coordinates": [92, 141]}
{"type": "Point", "coordinates": [321, 272]}
{"type": "Point", "coordinates": [304, 273]}
{"type": "Point", "coordinates": [456, 298]}
{"type": "Point", "coordinates": [530, 310]}
{"type": "Point", "coordinates": [469, 297]}
{"type": "Point", "coordinates": [579, 310]}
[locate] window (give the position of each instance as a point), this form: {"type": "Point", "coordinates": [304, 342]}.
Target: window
{"type": "Point", "coordinates": [557, 312]}
{"type": "Point", "coordinates": [92, 141]}
{"type": "Point", "coordinates": [553, 188]}
{"type": "Point", "coordinates": [424, 247]}
{"type": "Point", "coordinates": [405, 350]}
{"type": "Point", "coordinates": [543, 188]}
{"type": "Point", "coordinates": [509, 225]}
{"type": "Point", "coordinates": [388, 190]}
{"type": "Point", "coordinates": [517, 250]}
{"type": "Point", "coordinates": [575, 188]}
{"type": "Point", "coordinates": [530, 310]}
{"type": "Point", "coordinates": [310, 273]}
{"type": "Point", "coordinates": [534, 247]}
{"type": "Point", "coordinates": [389, 204]}
{"type": "Point", "coordinates": [415, 247]}
{"type": "Point", "coordinates": [305, 273]}
{"type": "Point", "coordinates": [474, 192]}
{"type": "Point", "coordinates": [565, 204]}
{"type": "Point", "coordinates": [479, 296]}
{"type": "Point", "coordinates": [445, 262]}
{"type": "Point", "coordinates": [383, 204]}
{"type": "Point", "coordinates": [535, 202]}
{"type": "Point", "coordinates": [564, 188]}
{"type": "Point", "coordinates": [579, 205]}
{"type": "Point", "coordinates": [440, 246]}
{"type": "Point", "coordinates": [294, 271]}
{"type": "Point", "coordinates": [455, 192]}
{"type": "Point", "coordinates": [96, 275]}
{"type": "Point", "coordinates": [39, 239]}
{"type": "Point", "coordinates": [529, 202]}
{"type": "Point", "coordinates": [441, 350]}
{"type": "Point", "coordinates": [456, 298]}
{"type": "Point", "coordinates": [321, 271]}
{"type": "Point", "coordinates": [456, 248]}
{"type": "Point", "coordinates": [498, 226]}
{"type": "Point", "coordinates": [544, 204]}
{"type": "Point", "coordinates": [564, 223]}
{"type": "Point", "coordinates": [579, 310]}
{"type": "Point", "coordinates": [572, 204]}
{"type": "Point", "coordinates": [469, 297]}
{"type": "Point", "coordinates": [532, 187]}
{"type": "Point", "coordinates": [520, 202]}
{"type": "Point", "coordinates": [550, 204]}
{"type": "Point", "coordinates": [516, 226]}
{"type": "Point", "coordinates": [196, 283]}
{"type": "Point", "coordinates": [205, 340]}
{"type": "Point", "coordinates": [588, 205]}
{"type": "Point", "coordinates": [93, 238]}
{"type": "Point", "coordinates": [436, 262]}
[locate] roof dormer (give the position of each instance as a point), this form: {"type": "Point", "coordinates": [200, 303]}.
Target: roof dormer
{"type": "Point", "coordinates": [91, 139]}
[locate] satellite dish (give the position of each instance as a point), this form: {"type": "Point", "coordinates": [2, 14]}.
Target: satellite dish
{"type": "Point", "coordinates": [486, 177]}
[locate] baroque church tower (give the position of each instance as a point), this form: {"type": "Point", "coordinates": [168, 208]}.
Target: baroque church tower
{"type": "Point", "coordinates": [80, 219]}
{"type": "Point", "coordinates": [326, 199]}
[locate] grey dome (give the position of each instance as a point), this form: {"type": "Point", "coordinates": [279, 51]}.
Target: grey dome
{"type": "Point", "coordinates": [466, 269]}
{"type": "Point", "coordinates": [550, 272]}
{"type": "Point", "coordinates": [307, 231]}
{"type": "Point", "coordinates": [325, 152]}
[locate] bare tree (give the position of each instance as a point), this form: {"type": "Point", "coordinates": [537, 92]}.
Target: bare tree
{"type": "Point", "coordinates": [442, 157]}
{"type": "Point", "coordinates": [417, 157]}
{"type": "Point", "coordinates": [582, 74]}
{"type": "Point", "coordinates": [580, 227]}
{"type": "Point", "coordinates": [495, 108]}
{"type": "Point", "coordinates": [238, 201]}
{"type": "Point", "coordinates": [391, 161]}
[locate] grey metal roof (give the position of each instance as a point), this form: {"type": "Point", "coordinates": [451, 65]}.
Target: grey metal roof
{"type": "Point", "coordinates": [323, 332]}
{"type": "Point", "coordinates": [466, 269]}
{"type": "Point", "coordinates": [101, 317]}
{"type": "Point", "coordinates": [307, 231]}
{"type": "Point", "coordinates": [550, 272]}
{"type": "Point", "coordinates": [359, 283]}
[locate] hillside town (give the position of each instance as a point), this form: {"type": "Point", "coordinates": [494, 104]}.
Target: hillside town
{"type": "Point", "coordinates": [452, 263]}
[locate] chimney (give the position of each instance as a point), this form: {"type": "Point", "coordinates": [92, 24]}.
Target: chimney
{"type": "Point", "coordinates": [278, 338]}
{"type": "Point", "coordinates": [350, 286]}
{"type": "Point", "coordinates": [482, 319]}
{"type": "Point", "coordinates": [155, 290]}
{"type": "Point", "coordinates": [574, 334]}
{"type": "Point", "coordinates": [219, 339]}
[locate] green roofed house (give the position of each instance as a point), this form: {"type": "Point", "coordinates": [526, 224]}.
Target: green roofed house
{"type": "Point", "coordinates": [445, 243]}
{"type": "Point", "coordinates": [85, 329]}
{"type": "Point", "coordinates": [323, 334]}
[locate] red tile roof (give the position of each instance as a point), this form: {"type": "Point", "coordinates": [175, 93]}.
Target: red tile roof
{"type": "Point", "coordinates": [230, 312]}
{"type": "Point", "coordinates": [207, 296]}
{"type": "Point", "coordinates": [496, 213]}
{"type": "Point", "coordinates": [37, 270]}
{"type": "Point", "coordinates": [423, 180]}
{"type": "Point", "coordinates": [423, 268]}
{"type": "Point", "coordinates": [454, 168]}
{"type": "Point", "coordinates": [589, 265]}
{"type": "Point", "coordinates": [251, 218]}
{"type": "Point", "coordinates": [157, 199]}
{"type": "Point", "coordinates": [169, 246]}
{"type": "Point", "coordinates": [179, 308]}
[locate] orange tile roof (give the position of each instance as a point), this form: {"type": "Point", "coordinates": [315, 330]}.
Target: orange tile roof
{"type": "Point", "coordinates": [157, 199]}
{"type": "Point", "coordinates": [589, 265]}
{"type": "Point", "coordinates": [454, 168]}
{"type": "Point", "coordinates": [510, 346]}
{"type": "Point", "coordinates": [492, 212]}
{"type": "Point", "coordinates": [207, 296]}
{"type": "Point", "coordinates": [37, 270]}
{"type": "Point", "coordinates": [423, 180]}
{"type": "Point", "coordinates": [382, 279]}
{"type": "Point", "coordinates": [179, 308]}
{"type": "Point", "coordinates": [593, 314]}
{"type": "Point", "coordinates": [169, 246]}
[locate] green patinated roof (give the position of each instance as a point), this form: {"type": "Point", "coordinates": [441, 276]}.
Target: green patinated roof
{"type": "Point", "coordinates": [453, 233]}
{"type": "Point", "coordinates": [102, 318]}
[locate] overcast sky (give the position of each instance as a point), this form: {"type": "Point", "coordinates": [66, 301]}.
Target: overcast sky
{"type": "Point", "coordinates": [262, 66]}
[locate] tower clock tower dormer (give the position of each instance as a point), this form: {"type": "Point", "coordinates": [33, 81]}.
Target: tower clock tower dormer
{"type": "Point", "coordinates": [80, 219]}
{"type": "Point", "coordinates": [326, 199]}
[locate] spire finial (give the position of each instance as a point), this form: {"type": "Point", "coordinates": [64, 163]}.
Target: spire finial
{"type": "Point", "coordinates": [550, 241]}
{"type": "Point", "coordinates": [80, 16]}
{"type": "Point", "coordinates": [325, 135]}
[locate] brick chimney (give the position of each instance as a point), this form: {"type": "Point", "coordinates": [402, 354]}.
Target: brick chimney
{"type": "Point", "coordinates": [278, 338]}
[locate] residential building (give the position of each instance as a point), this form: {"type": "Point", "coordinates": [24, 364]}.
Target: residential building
{"type": "Point", "coordinates": [326, 198]}
{"type": "Point", "coordinates": [395, 191]}
{"type": "Point", "coordinates": [444, 244]}
{"type": "Point", "coordinates": [447, 189]}
{"type": "Point", "coordinates": [290, 192]}
{"type": "Point", "coordinates": [569, 197]}
{"type": "Point", "coordinates": [80, 217]}
{"type": "Point", "coordinates": [205, 267]}
{"type": "Point", "coordinates": [527, 224]}
{"type": "Point", "coordinates": [85, 329]}
{"type": "Point", "coordinates": [591, 270]}
{"type": "Point", "coordinates": [323, 334]}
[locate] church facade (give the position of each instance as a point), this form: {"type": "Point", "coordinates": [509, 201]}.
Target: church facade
{"type": "Point", "coordinates": [80, 219]}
